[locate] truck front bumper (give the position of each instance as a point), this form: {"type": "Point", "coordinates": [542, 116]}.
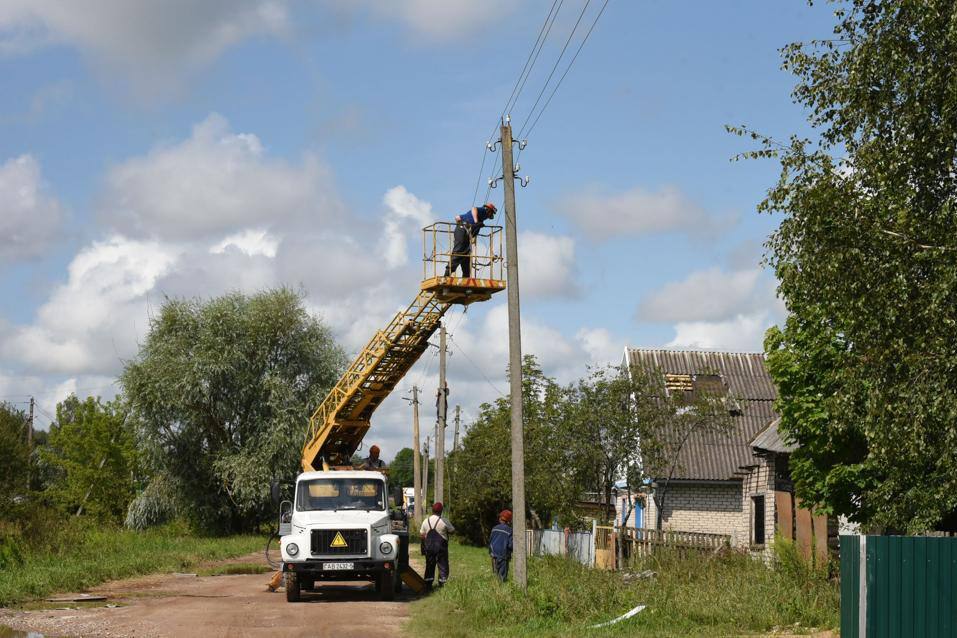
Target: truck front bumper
{"type": "Point", "coordinates": [323, 569]}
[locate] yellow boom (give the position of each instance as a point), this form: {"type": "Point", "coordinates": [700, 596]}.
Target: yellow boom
{"type": "Point", "coordinates": [339, 424]}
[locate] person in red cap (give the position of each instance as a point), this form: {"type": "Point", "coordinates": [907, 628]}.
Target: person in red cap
{"type": "Point", "coordinates": [435, 532]}
{"type": "Point", "coordinates": [467, 226]}
{"type": "Point", "coordinates": [500, 545]}
{"type": "Point", "coordinates": [373, 462]}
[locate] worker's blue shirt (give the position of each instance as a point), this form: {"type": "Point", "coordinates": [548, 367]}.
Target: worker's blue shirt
{"type": "Point", "coordinates": [469, 220]}
{"type": "Point", "coordinates": [500, 542]}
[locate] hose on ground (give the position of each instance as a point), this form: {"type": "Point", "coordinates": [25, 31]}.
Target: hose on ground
{"type": "Point", "coordinates": [272, 563]}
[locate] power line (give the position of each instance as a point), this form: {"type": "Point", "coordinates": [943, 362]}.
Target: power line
{"type": "Point", "coordinates": [475, 365]}
{"type": "Point", "coordinates": [567, 69]}
{"type": "Point", "coordinates": [555, 66]}
{"type": "Point", "coordinates": [520, 84]}
{"type": "Point", "coordinates": [539, 45]}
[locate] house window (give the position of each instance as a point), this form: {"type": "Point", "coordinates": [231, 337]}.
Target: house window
{"type": "Point", "coordinates": [757, 521]}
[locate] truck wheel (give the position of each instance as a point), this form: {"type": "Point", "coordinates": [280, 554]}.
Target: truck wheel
{"type": "Point", "coordinates": [292, 588]}
{"type": "Point", "coordinates": [387, 585]}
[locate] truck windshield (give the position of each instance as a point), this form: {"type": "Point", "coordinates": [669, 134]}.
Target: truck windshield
{"type": "Point", "coordinates": [340, 494]}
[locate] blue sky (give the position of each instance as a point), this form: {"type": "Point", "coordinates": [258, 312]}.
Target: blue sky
{"type": "Point", "coordinates": [187, 149]}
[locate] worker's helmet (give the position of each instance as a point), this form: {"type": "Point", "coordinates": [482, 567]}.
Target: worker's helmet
{"type": "Point", "coordinates": [437, 508]}
{"type": "Point", "coordinates": [490, 207]}
{"type": "Point", "coordinates": [505, 516]}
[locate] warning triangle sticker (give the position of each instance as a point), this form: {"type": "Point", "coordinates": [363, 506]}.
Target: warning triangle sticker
{"type": "Point", "coordinates": [338, 541]}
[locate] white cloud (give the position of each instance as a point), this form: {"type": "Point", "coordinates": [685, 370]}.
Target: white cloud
{"type": "Point", "coordinates": [406, 213]}
{"type": "Point", "coordinates": [743, 333]}
{"type": "Point", "coordinates": [213, 183]}
{"type": "Point", "coordinates": [547, 267]}
{"type": "Point", "coordinates": [602, 346]}
{"type": "Point", "coordinates": [30, 217]}
{"type": "Point", "coordinates": [152, 43]}
{"type": "Point", "coordinates": [439, 20]}
{"type": "Point", "coordinates": [708, 295]}
{"type": "Point", "coordinates": [251, 242]}
{"type": "Point", "coordinates": [638, 212]}
{"type": "Point", "coordinates": [93, 320]}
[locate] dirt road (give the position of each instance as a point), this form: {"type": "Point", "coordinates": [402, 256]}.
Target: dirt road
{"type": "Point", "coordinates": [184, 606]}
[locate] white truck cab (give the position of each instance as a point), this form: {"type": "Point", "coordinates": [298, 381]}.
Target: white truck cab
{"type": "Point", "coordinates": [339, 527]}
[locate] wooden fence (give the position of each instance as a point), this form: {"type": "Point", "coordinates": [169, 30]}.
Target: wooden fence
{"type": "Point", "coordinates": [640, 543]}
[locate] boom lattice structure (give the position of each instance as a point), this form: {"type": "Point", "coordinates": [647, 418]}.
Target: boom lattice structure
{"type": "Point", "coordinates": [339, 424]}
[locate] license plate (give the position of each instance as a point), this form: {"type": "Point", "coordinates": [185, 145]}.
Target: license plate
{"type": "Point", "coordinates": [338, 566]}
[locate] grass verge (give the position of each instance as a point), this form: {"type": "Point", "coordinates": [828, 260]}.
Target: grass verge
{"type": "Point", "coordinates": [97, 554]}
{"type": "Point", "coordinates": [715, 596]}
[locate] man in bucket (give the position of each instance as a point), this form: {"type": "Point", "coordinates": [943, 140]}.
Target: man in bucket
{"type": "Point", "coordinates": [467, 226]}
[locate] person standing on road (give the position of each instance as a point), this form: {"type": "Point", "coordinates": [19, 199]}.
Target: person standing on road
{"type": "Point", "coordinates": [435, 532]}
{"type": "Point", "coordinates": [467, 226]}
{"type": "Point", "coordinates": [500, 545]}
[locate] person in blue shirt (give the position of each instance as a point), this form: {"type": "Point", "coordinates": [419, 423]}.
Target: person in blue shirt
{"type": "Point", "coordinates": [467, 226]}
{"type": "Point", "coordinates": [500, 545]}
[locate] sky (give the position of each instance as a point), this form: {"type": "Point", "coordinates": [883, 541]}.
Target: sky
{"type": "Point", "coordinates": [164, 149]}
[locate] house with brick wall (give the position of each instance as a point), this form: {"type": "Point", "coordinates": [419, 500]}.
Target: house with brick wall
{"type": "Point", "coordinates": [732, 483]}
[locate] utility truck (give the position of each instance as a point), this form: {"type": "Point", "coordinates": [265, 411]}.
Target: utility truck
{"type": "Point", "coordinates": [338, 525]}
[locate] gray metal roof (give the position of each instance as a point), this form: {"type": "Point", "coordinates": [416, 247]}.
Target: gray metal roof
{"type": "Point", "coordinates": [769, 439]}
{"type": "Point", "coordinates": [711, 456]}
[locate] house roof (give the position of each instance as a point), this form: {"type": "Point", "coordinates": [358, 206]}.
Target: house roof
{"type": "Point", "coordinates": [769, 439]}
{"type": "Point", "coordinates": [712, 456]}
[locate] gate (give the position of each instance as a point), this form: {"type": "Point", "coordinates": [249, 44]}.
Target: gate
{"type": "Point", "coordinates": [898, 586]}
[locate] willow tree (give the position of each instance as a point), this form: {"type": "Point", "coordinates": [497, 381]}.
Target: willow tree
{"type": "Point", "coordinates": [222, 391]}
{"type": "Point", "coordinates": [866, 255]}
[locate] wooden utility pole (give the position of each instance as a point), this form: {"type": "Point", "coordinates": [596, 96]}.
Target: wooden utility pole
{"type": "Point", "coordinates": [30, 439]}
{"type": "Point", "coordinates": [520, 574]}
{"type": "Point", "coordinates": [458, 416]}
{"type": "Point", "coordinates": [425, 476]}
{"type": "Point", "coordinates": [440, 427]}
{"type": "Point", "coordinates": [417, 496]}
{"type": "Point", "coordinates": [30, 427]}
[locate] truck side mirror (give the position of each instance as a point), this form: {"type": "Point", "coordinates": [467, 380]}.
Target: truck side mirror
{"type": "Point", "coordinates": [397, 496]}
{"type": "Point", "coordinates": [274, 492]}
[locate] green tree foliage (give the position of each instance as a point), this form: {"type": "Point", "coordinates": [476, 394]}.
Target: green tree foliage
{"type": "Point", "coordinates": [481, 469]}
{"type": "Point", "coordinates": [223, 390]}
{"type": "Point", "coordinates": [867, 259]}
{"type": "Point", "coordinates": [92, 454]}
{"type": "Point", "coordinates": [400, 470]}
{"type": "Point", "coordinates": [15, 458]}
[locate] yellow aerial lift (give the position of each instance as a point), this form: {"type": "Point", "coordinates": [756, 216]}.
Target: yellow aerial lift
{"type": "Point", "coordinates": [337, 526]}
{"type": "Point", "coordinates": [339, 424]}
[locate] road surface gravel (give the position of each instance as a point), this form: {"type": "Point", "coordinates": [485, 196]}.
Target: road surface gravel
{"type": "Point", "coordinates": [183, 606]}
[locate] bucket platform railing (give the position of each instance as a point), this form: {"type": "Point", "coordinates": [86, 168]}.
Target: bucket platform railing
{"type": "Point", "coordinates": [486, 264]}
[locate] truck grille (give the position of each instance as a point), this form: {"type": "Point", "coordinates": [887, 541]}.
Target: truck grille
{"type": "Point", "coordinates": [325, 542]}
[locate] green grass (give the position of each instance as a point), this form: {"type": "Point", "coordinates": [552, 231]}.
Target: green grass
{"type": "Point", "coordinates": [86, 556]}
{"type": "Point", "coordinates": [721, 596]}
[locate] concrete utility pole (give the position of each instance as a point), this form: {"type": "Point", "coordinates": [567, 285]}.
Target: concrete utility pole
{"type": "Point", "coordinates": [520, 574]}
{"type": "Point", "coordinates": [440, 427]}
{"type": "Point", "coordinates": [416, 460]}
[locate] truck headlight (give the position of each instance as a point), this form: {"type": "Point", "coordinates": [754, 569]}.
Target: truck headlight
{"type": "Point", "coordinates": [385, 547]}
{"type": "Point", "coordinates": [292, 549]}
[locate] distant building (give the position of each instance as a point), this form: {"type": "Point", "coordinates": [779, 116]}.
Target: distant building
{"type": "Point", "coordinates": [736, 483]}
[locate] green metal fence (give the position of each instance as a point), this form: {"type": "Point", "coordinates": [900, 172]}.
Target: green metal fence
{"type": "Point", "coordinates": [898, 586]}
